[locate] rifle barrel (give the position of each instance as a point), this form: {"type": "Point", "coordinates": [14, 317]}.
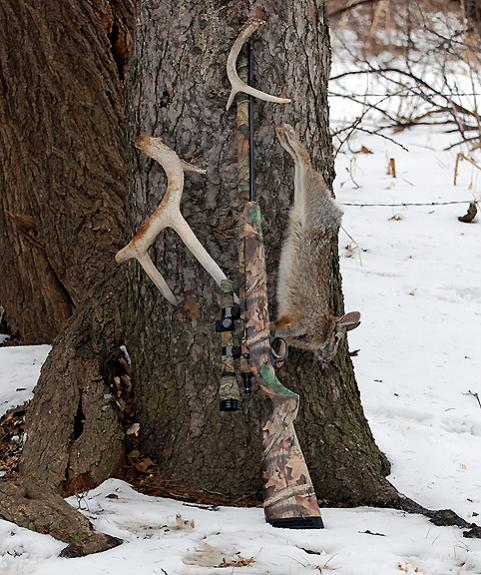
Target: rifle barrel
{"type": "Point", "coordinates": [252, 164]}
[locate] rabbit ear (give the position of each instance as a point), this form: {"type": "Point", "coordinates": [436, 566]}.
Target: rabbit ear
{"type": "Point", "coordinates": [350, 320]}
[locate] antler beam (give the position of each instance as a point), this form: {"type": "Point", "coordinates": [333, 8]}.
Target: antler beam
{"type": "Point", "coordinates": [237, 84]}
{"type": "Point", "coordinates": [167, 215]}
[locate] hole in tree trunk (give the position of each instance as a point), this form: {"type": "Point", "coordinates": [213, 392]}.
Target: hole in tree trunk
{"type": "Point", "coordinates": [120, 43]}
{"type": "Point", "coordinates": [78, 424]}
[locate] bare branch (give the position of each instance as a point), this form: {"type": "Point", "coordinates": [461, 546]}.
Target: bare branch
{"type": "Point", "coordinates": [419, 82]}
{"type": "Point", "coordinates": [350, 7]}
{"type": "Point", "coordinates": [382, 136]}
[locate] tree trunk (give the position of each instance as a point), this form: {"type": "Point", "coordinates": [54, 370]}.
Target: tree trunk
{"type": "Point", "coordinates": [179, 90]}
{"type": "Point", "coordinates": [62, 124]}
{"type": "Point", "coordinates": [472, 13]}
{"type": "Point", "coordinates": [68, 118]}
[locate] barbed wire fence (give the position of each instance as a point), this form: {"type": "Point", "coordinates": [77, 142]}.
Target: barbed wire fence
{"type": "Point", "coordinates": [396, 95]}
{"type": "Point", "coordinates": [407, 204]}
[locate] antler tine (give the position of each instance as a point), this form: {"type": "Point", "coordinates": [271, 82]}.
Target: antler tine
{"type": "Point", "coordinates": [237, 84]}
{"type": "Point", "coordinates": [149, 268]}
{"type": "Point", "coordinates": [167, 215]}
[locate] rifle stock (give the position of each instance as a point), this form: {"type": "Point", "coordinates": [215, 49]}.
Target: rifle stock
{"type": "Point", "coordinates": [289, 496]}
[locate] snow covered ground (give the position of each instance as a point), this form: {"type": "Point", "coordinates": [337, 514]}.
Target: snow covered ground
{"type": "Point", "coordinates": [238, 541]}
{"type": "Point", "coordinates": [19, 371]}
{"type": "Point", "coordinates": [416, 278]}
{"type": "Point", "coordinates": [419, 289]}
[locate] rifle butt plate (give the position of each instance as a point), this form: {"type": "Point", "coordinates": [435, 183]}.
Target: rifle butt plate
{"type": "Point", "coordinates": [314, 522]}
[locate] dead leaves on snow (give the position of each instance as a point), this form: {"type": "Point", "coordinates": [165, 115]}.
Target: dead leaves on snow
{"type": "Point", "coordinates": [206, 555]}
{"type": "Point", "coordinates": [240, 562]}
{"type": "Point", "coordinates": [470, 214]}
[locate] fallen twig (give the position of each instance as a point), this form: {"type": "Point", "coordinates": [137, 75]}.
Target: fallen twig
{"type": "Point", "coordinates": [200, 506]}
{"type": "Point", "coordinates": [475, 395]}
{"type": "Point", "coordinates": [359, 250]}
{"type": "Point", "coordinates": [373, 533]}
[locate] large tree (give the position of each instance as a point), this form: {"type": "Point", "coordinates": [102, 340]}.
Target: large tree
{"type": "Point", "coordinates": [79, 81]}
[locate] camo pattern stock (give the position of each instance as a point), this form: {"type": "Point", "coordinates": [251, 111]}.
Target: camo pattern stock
{"type": "Point", "coordinates": [288, 490]}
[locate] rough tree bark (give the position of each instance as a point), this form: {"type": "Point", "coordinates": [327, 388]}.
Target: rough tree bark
{"type": "Point", "coordinates": [75, 91]}
{"type": "Point", "coordinates": [472, 13]}
{"type": "Point", "coordinates": [179, 90]}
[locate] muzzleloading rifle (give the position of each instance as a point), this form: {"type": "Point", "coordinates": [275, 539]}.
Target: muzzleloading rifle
{"type": "Point", "coordinates": [289, 497]}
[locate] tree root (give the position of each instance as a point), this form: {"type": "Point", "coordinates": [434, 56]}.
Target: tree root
{"type": "Point", "coordinates": [439, 517]}
{"type": "Point", "coordinates": [31, 505]}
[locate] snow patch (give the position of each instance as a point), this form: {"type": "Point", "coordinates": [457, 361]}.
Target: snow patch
{"type": "Point", "coordinates": [19, 372]}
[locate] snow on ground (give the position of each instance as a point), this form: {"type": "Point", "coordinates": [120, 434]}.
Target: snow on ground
{"type": "Point", "coordinates": [417, 281]}
{"type": "Point", "coordinates": [419, 290]}
{"type": "Point", "coordinates": [157, 542]}
{"type": "Point", "coordinates": [19, 371]}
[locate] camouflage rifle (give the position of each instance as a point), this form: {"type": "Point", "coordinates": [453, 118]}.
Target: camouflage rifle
{"type": "Point", "coordinates": [289, 496]}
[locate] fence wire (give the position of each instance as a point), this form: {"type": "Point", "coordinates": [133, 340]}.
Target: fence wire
{"type": "Point", "coordinates": [407, 204]}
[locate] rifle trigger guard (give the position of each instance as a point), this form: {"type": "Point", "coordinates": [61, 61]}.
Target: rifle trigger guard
{"type": "Point", "coordinates": [279, 350]}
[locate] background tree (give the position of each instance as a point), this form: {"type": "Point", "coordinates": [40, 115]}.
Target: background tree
{"type": "Point", "coordinates": [79, 82]}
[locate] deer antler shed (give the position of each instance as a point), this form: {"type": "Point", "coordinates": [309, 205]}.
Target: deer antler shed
{"type": "Point", "coordinates": [237, 84]}
{"type": "Point", "coordinates": [167, 215]}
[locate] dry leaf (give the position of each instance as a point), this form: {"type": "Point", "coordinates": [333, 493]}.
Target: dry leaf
{"type": "Point", "coordinates": [134, 429]}
{"type": "Point", "coordinates": [241, 562]}
{"type": "Point", "coordinates": [470, 214]}
{"type": "Point", "coordinates": [364, 150]}
{"type": "Point", "coordinates": [144, 465]}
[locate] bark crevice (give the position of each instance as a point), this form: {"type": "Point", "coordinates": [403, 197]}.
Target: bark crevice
{"type": "Point", "coordinates": [79, 420]}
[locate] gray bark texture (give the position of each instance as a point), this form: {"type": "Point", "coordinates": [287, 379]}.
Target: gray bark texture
{"type": "Point", "coordinates": [80, 80]}
{"type": "Point", "coordinates": [178, 91]}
